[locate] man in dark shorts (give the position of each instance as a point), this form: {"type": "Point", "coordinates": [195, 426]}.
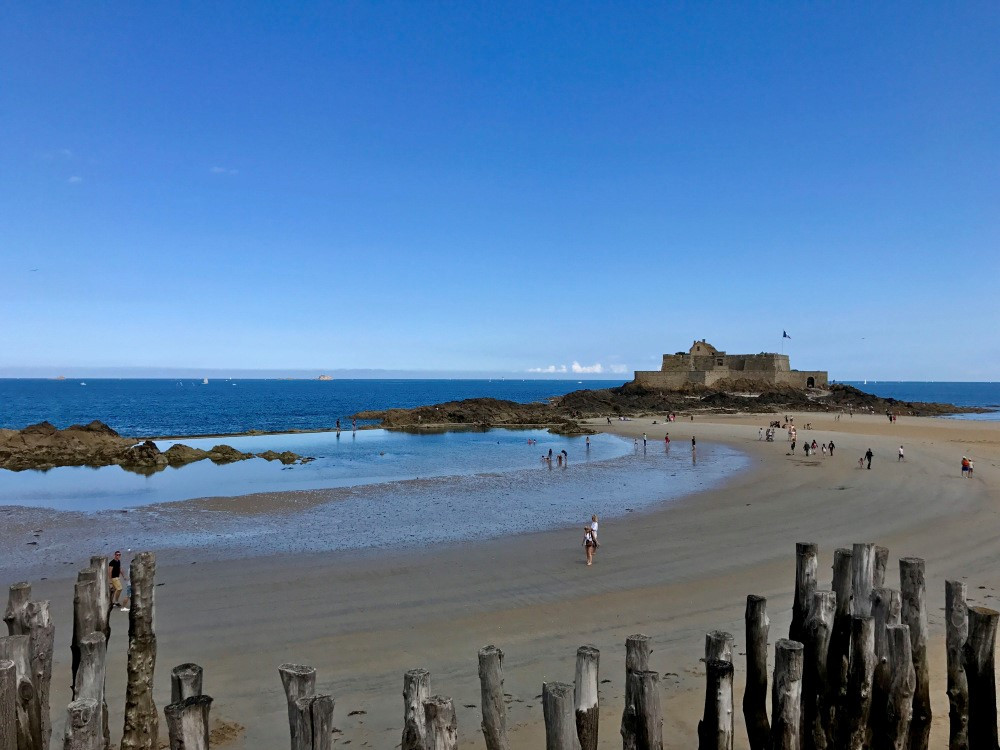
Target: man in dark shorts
{"type": "Point", "coordinates": [869, 455]}
{"type": "Point", "coordinates": [115, 577]}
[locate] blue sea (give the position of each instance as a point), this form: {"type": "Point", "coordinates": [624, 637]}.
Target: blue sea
{"type": "Point", "coordinates": [986, 395]}
{"type": "Point", "coordinates": [147, 408]}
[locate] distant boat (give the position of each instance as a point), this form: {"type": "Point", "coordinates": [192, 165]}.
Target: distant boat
{"type": "Point", "coordinates": [82, 383]}
{"type": "Point", "coordinates": [204, 381]}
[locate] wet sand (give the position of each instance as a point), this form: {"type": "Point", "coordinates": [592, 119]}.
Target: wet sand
{"type": "Point", "coordinates": [362, 619]}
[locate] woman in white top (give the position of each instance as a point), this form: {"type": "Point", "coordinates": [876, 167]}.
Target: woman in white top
{"type": "Point", "coordinates": [593, 529]}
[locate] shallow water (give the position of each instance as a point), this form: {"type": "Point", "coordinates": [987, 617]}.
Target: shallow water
{"type": "Point", "coordinates": [342, 460]}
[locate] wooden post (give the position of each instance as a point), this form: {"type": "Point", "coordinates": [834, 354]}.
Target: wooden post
{"type": "Point", "coordinates": [17, 648]}
{"type": "Point", "coordinates": [913, 613]}
{"type": "Point", "coordinates": [862, 578]}
{"type": "Point", "coordinates": [322, 722]}
{"type": "Point", "coordinates": [786, 695]}
{"type": "Point", "coordinates": [41, 633]}
{"type": "Point", "coordinates": [816, 718]}
{"type": "Point", "coordinates": [718, 645]}
{"type": "Point", "coordinates": [806, 564]}
{"type": "Point", "coordinates": [899, 703]}
{"type": "Point", "coordinates": [560, 721]}
{"type": "Point", "coordinates": [416, 691]}
{"type": "Point", "coordinates": [103, 603]}
{"type": "Point", "coordinates": [185, 682]}
{"type": "Point", "coordinates": [852, 730]}
{"type": "Point", "coordinates": [588, 660]}
{"type": "Point", "coordinates": [637, 649]}
{"type": "Point", "coordinates": [715, 730]}
{"type": "Point", "coordinates": [956, 615]}
{"type": "Point", "coordinates": [649, 725]}
{"type": "Point", "coordinates": [90, 675]}
{"type": "Point", "coordinates": [85, 609]}
{"type": "Point", "coordinates": [299, 682]}
{"type": "Point", "coordinates": [980, 670]}
{"type": "Point", "coordinates": [82, 727]}
{"type": "Point", "coordinates": [142, 723]}
{"type": "Point", "coordinates": [755, 695]}
{"type": "Point", "coordinates": [491, 689]}
{"type": "Point", "coordinates": [8, 705]}
{"type": "Point", "coordinates": [20, 594]}
{"type": "Point", "coordinates": [442, 724]}
{"type": "Point", "coordinates": [881, 563]}
{"type": "Point", "coordinates": [839, 652]}
{"type": "Point", "coordinates": [886, 612]}
{"type": "Point", "coordinates": [187, 723]}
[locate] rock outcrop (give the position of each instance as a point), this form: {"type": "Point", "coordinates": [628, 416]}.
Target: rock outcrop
{"type": "Point", "coordinates": [44, 446]}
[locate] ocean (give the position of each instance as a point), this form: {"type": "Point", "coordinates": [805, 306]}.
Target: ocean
{"type": "Point", "coordinates": [147, 408]}
{"type": "Point", "coordinates": [986, 395]}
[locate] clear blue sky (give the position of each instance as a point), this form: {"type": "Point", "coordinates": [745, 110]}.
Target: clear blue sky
{"type": "Point", "coordinates": [496, 187]}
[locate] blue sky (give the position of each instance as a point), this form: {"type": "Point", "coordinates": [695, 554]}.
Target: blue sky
{"type": "Point", "coordinates": [500, 187]}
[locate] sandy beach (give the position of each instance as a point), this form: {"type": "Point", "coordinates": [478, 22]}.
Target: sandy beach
{"type": "Point", "coordinates": [363, 619]}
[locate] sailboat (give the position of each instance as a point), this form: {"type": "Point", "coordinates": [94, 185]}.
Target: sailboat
{"type": "Point", "coordinates": [204, 381]}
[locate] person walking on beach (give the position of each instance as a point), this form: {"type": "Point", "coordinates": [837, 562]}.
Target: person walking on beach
{"type": "Point", "coordinates": [115, 578]}
{"type": "Point", "coordinates": [807, 447]}
{"type": "Point", "coordinates": [593, 530]}
{"type": "Point", "coordinates": [793, 448]}
{"type": "Point", "coordinates": [589, 544]}
{"type": "Point", "coordinates": [868, 456]}
{"type": "Point", "coordinates": [901, 456]}
{"type": "Point", "coordinates": [831, 449]}
{"type": "Point", "coordinates": [965, 467]}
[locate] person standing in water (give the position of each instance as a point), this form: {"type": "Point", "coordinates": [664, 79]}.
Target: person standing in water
{"type": "Point", "coordinates": [694, 442]}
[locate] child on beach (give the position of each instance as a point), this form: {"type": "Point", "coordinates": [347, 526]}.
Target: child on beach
{"type": "Point", "coordinates": [589, 544]}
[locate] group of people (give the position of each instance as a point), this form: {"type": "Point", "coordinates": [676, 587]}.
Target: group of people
{"type": "Point", "coordinates": [967, 467]}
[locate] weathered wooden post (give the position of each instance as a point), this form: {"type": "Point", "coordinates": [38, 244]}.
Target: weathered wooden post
{"type": "Point", "coordinates": [862, 578]}
{"type": "Point", "coordinates": [980, 670]}
{"type": "Point", "coordinates": [715, 730]}
{"type": "Point", "coordinates": [442, 724]}
{"type": "Point", "coordinates": [416, 691]}
{"type": "Point", "coordinates": [899, 703]}
{"type": "Point", "coordinates": [815, 698]}
{"type": "Point", "coordinates": [588, 660]}
{"type": "Point", "coordinates": [90, 675]}
{"type": "Point", "coordinates": [41, 634]}
{"type": "Point", "coordinates": [637, 649]}
{"type": "Point", "coordinates": [881, 563]}
{"type": "Point", "coordinates": [185, 682]}
{"type": "Point", "coordinates": [103, 603]}
{"type": "Point", "coordinates": [913, 613]}
{"type": "Point", "coordinates": [559, 714]}
{"type": "Point", "coordinates": [956, 615]}
{"type": "Point", "coordinates": [806, 565]}
{"type": "Point", "coordinates": [20, 594]}
{"type": "Point", "coordinates": [8, 705]}
{"type": "Point", "coordinates": [491, 689]}
{"type": "Point", "coordinates": [755, 694]}
{"type": "Point", "coordinates": [311, 722]}
{"type": "Point", "coordinates": [839, 652]}
{"type": "Point", "coordinates": [17, 648]}
{"type": "Point", "coordinates": [142, 723]}
{"type": "Point", "coordinates": [187, 723]}
{"type": "Point", "coordinates": [718, 645]}
{"type": "Point", "coordinates": [85, 612]}
{"type": "Point", "coordinates": [83, 726]}
{"type": "Point", "coordinates": [786, 695]}
{"type": "Point", "coordinates": [852, 730]}
{"type": "Point", "coordinates": [322, 722]}
{"type": "Point", "coordinates": [647, 716]}
{"type": "Point", "coordinates": [299, 682]}
{"type": "Point", "coordinates": [886, 612]}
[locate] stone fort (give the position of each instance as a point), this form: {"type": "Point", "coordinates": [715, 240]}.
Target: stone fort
{"type": "Point", "coordinates": [703, 364]}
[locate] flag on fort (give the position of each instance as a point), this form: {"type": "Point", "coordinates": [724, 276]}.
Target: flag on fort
{"type": "Point", "coordinates": [784, 335]}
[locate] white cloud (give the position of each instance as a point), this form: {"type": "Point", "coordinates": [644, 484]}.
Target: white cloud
{"type": "Point", "coordinates": [594, 368]}
{"type": "Point", "coordinates": [75, 180]}
{"type": "Point", "coordinates": [550, 368]}
{"type": "Point", "coordinates": [224, 170]}
{"type": "Point", "coordinates": [617, 369]}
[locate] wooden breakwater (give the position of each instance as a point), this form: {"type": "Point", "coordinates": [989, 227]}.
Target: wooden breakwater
{"type": "Point", "coordinates": [852, 675]}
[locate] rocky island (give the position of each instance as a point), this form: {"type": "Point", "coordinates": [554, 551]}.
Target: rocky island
{"type": "Point", "coordinates": [43, 446]}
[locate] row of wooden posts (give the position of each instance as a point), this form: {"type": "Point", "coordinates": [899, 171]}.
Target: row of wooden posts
{"type": "Point", "coordinates": [852, 675]}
